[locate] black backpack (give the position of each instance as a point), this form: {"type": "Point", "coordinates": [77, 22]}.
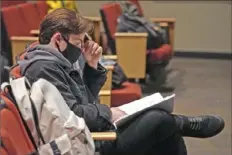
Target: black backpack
{"type": "Point", "coordinates": [131, 21]}
{"type": "Point", "coordinates": [118, 77]}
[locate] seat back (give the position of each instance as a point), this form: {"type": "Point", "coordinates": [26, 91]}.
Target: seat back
{"type": "Point", "coordinates": [42, 8]}
{"type": "Point", "coordinates": [14, 135]}
{"type": "Point", "coordinates": [109, 14]}
{"type": "Point", "coordinates": [14, 22]}
{"type": "Point", "coordinates": [30, 14]}
{"type": "Point", "coordinates": [7, 3]}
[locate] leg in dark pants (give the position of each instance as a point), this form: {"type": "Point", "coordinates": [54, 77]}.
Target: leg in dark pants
{"type": "Point", "coordinates": [174, 145]}
{"type": "Point", "coordinates": [146, 134]}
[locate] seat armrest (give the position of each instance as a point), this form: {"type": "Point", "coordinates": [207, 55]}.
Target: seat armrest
{"type": "Point", "coordinates": [94, 19]}
{"type": "Point", "coordinates": [163, 24]}
{"type": "Point", "coordinates": [109, 68]}
{"type": "Point", "coordinates": [23, 38]}
{"type": "Point", "coordinates": [171, 26]}
{"type": "Point", "coordinates": [110, 57]}
{"type": "Point", "coordinates": [164, 20]}
{"type": "Point", "coordinates": [104, 136]}
{"type": "Point", "coordinates": [34, 32]}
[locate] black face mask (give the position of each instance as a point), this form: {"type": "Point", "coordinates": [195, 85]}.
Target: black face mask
{"type": "Point", "coordinates": [72, 53]}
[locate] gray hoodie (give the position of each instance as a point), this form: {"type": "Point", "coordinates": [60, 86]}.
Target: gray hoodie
{"type": "Point", "coordinates": [80, 93]}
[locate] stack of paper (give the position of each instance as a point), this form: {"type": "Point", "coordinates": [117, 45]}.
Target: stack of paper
{"type": "Point", "coordinates": [155, 101]}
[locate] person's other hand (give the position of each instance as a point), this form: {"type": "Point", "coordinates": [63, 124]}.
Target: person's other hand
{"type": "Point", "coordinates": [92, 53]}
{"type": "Point", "coordinates": [116, 113]}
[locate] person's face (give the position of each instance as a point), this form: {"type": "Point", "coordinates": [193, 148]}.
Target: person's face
{"type": "Point", "coordinates": [76, 40]}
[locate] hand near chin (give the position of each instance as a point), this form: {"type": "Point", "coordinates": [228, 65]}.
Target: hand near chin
{"type": "Point", "coordinates": [92, 53]}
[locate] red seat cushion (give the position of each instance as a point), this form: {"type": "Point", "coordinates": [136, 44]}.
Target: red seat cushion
{"type": "Point", "coordinates": [162, 53]}
{"type": "Point", "coordinates": [30, 13]}
{"type": "Point", "coordinates": [14, 22]}
{"type": "Point", "coordinates": [42, 8]}
{"type": "Point", "coordinates": [129, 93]}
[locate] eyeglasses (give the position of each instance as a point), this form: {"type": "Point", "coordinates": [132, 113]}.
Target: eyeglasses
{"type": "Point", "coordinates": [79, 45]}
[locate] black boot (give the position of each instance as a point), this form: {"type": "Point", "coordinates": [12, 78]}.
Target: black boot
{"type": "Point", "coordinates": [200, 126]}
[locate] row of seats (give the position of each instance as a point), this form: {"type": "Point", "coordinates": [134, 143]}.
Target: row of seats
{"type": "Point", "coordinates": [20, 19]}
{"type": "Point", "coordinates": [110, 13]}
{"type": "Point", "coordinates": [129, 91]}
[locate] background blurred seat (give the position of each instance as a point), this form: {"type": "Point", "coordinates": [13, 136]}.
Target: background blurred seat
{"type": "Point", "coordinates": [31, 15]}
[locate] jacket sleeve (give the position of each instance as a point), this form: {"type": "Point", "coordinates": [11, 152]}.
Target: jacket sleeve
{"type": "Point", "coordinates": [94, 78]}
{"type": "Point", "coordinates": [96, 116]}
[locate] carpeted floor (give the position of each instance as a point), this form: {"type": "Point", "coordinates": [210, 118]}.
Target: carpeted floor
{"type": "Point", "coordinates": [203, 86]}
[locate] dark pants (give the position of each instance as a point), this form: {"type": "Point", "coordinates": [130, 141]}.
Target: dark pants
{"type": "Point", "coordinates": [154, 132]}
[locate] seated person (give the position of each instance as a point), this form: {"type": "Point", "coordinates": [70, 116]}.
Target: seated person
{"type": "Point", "coordinates": [61, 38]}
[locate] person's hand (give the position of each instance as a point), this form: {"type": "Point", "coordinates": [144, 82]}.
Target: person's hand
{"type": "Point", "coordinates": [92, 53]}
{"type": "Point", "coordinates": [116, 113]}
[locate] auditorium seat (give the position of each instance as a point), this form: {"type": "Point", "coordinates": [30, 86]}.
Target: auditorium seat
{"type": "Point", "coordinates": [110, 13]}
{"type": "Point", "coordinates": [7, 3]}
{"type": "Point", "coordinates": [30, 13]}
{"type": "Point", "coordinates": [14, 22]}
{"type": "Point", "coordinates": [169, 21]}
{"type": "Point", "coordinates": [42, 8]}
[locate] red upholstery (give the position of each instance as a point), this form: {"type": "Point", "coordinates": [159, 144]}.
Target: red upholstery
{"type": "Point", "coordinates": [43, 8]}
{"type": "Point", "coordinates": [3, 151]}
{"type": "Point", "coordinates": [129, 93]}
{"type": "Point", "coordinates": [13, 133]}
{"type": "Point", "coordinates": [6, 3]}
{"type": "Point", "coordinates": [112, 11]}
{"type": "Point", "coordinates": [162, 53]}
{"type": "Point", "coordinates": [14, 22]}
{"type": "Point", "coordinates": [30, 13]}
{"type": "Point", "coordinates": [138, 5]}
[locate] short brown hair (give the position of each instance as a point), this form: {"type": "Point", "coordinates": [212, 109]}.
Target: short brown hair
{"type": "Point", "coordinates": [64, 21]}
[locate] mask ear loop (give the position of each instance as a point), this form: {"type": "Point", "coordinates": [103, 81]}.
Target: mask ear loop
{"type": "Point", "coordinates": [58, 47]}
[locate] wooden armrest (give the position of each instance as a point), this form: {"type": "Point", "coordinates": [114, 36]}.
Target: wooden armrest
{"type": "Point", "coordinates": [162, 24]}
{"type": "Point", "coordinates": [107, 136]}
{"type": "Point", "coordinates": [130, 34]}
{"type": "Point", "coordinates": [110, 57]}
{"type": "Point", "coordinates": [34, 32]}
{"type": "Point", "coordinates": [94, 19]}
{"type": "Point", "coordinates": [105, 92]}
{"type": "Point", "coordinates": [110, 68]}
{"type": "Point", "coordinates": [22, 38]}
{"type": "Point", "coordinates": [166, 20]}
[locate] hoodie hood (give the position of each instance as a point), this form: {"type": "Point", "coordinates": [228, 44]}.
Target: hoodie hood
{"type": "Point", "coordinates": [42, 52]}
